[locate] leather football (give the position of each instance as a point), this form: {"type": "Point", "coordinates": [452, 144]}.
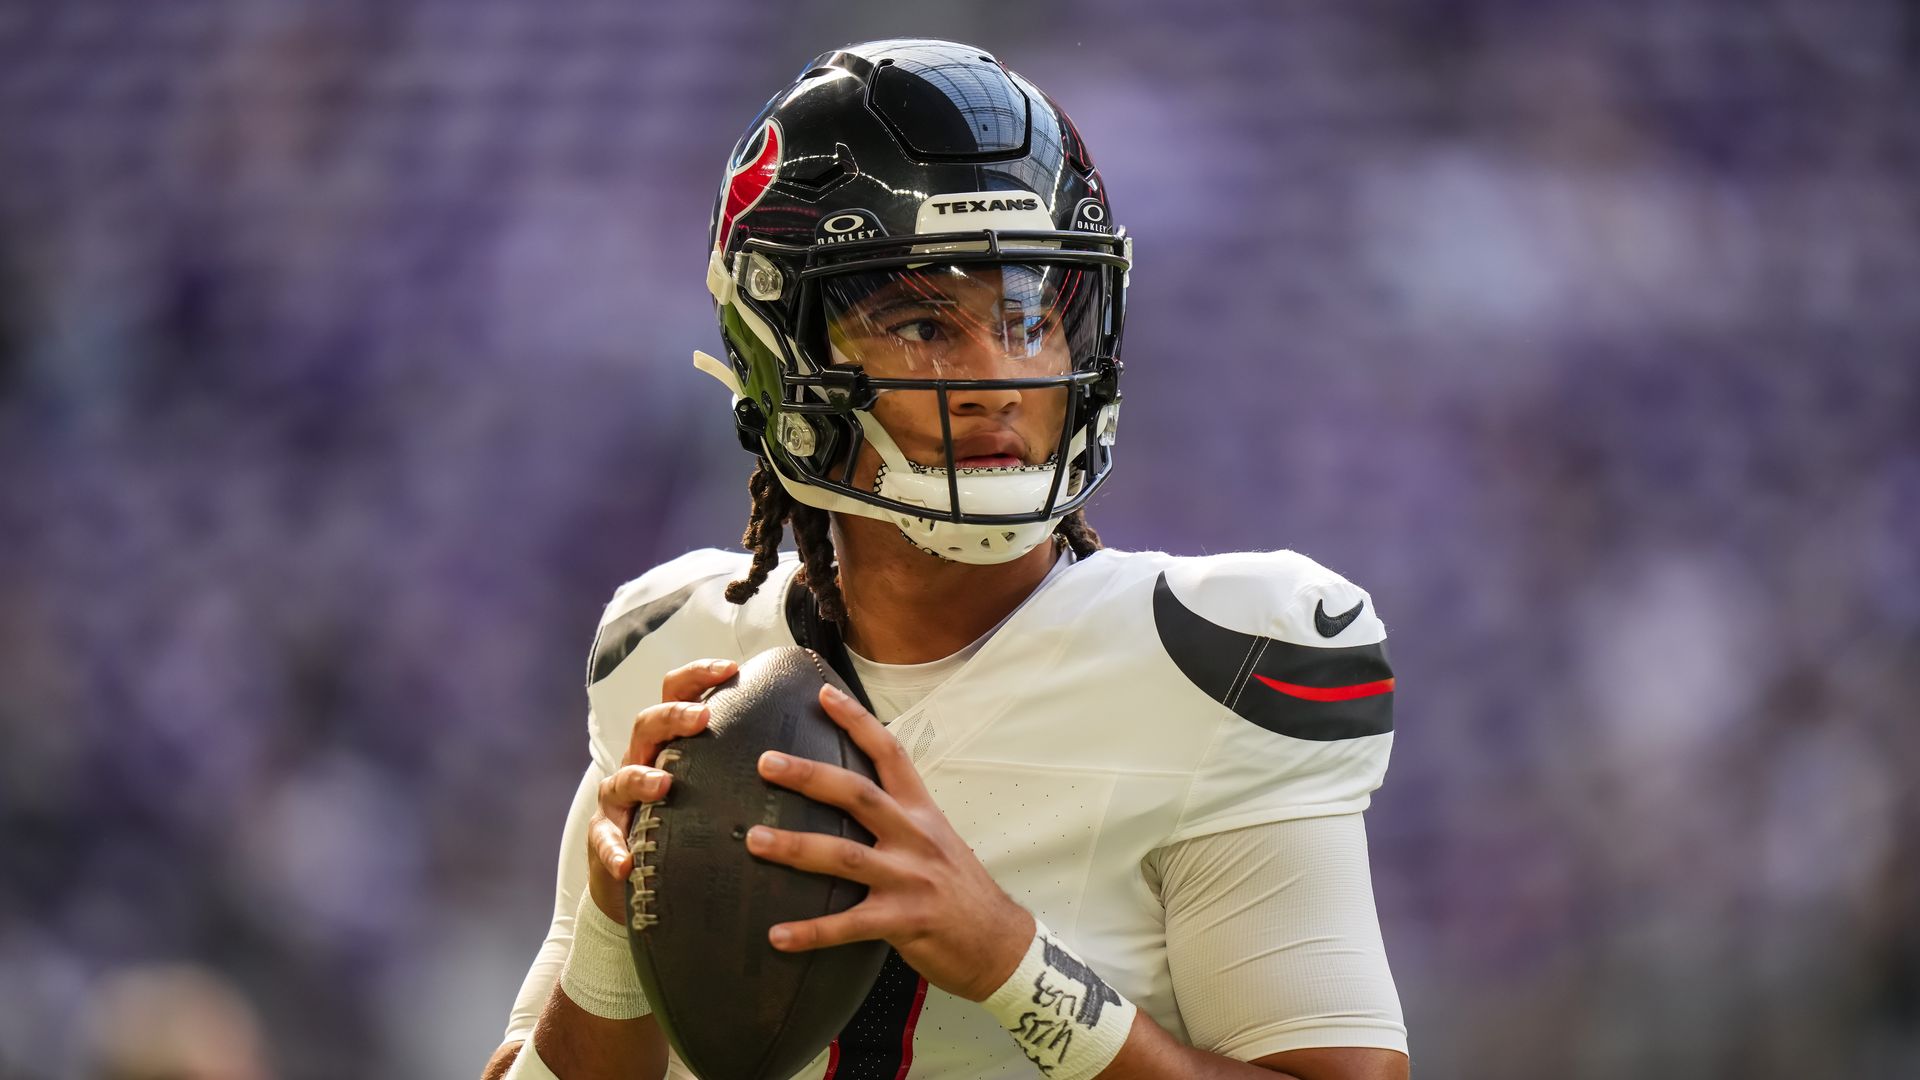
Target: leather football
{"type": "Point", "coordinates": [699, 905]}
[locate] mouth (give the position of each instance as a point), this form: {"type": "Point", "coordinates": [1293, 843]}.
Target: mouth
{"type": "Point", "coordinates": [997, 449]}
{"type": "Point", "coordinates": [989, 461]}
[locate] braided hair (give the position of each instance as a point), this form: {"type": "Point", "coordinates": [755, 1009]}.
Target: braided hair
{"type": "Point", "coordinates": [774, 510]}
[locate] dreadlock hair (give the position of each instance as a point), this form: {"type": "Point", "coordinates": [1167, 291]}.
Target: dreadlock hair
{"type": "Point", "coordinates": [774, 510]}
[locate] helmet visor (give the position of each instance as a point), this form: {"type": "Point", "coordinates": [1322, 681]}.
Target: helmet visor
{"type": "Point", "coordinates": [975, 321]}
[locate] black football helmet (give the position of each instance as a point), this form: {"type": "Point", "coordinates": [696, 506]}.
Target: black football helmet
{"type": "Point", "coordinates": [902, 206]}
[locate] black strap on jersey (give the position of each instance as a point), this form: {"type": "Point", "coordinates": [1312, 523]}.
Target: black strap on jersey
{"type": "Point", "coordinates": [873, 1045]}
{"type": "Point", "coordinates": [813, 631]}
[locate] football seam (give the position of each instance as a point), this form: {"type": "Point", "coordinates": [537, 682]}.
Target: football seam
{"type": "Point", "coordinates": [818, 666]}
{"type": "Point", "coordinates": [786, 1019]}
{"type": "Point", "coordinates": [773, 1044]}
{"type": "Point", "coordinates": [644, 895]}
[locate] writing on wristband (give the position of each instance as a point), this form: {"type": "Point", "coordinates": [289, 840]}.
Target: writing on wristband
{"type": "Point", "coordinates": [1060, 1012]}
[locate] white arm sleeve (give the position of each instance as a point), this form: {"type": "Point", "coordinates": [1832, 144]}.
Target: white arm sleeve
{"type": "Point", "coordinates": [571, 881]}
{"type": "Point", "coordinates": [1272, 939]}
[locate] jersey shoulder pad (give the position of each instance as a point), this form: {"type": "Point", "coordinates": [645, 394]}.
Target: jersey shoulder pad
{"type": "Point", "coordinates": [1287, 644]}
{"type": "Point", "coordinates": [1297, 656]}
{"type": "Point", "coordinates": [645, 604]}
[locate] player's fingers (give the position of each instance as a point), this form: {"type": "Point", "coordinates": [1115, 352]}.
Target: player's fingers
{"type": "Point", "coordinates": [629, 786]}
{"type": "Point", "coordinates": [869, 804]}
{"type": "Point", "coordinates": [688, 681]}
{"type": "Point", "coordinates": [819, 853]}
{"type": "Point", "coordinates": [890, 759]}
{"type": "Point", "coordinates": [657, 724]}
{"type": "Point", "coordinates": [608, 843]}
{"type": "Point", "coordinates": [861, 922]}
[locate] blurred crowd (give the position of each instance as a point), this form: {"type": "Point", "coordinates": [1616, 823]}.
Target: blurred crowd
{"type": "Point", "coordinates": [344, 373]}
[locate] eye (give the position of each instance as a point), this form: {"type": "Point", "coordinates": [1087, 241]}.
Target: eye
{"type": "Point", "coordinates": [917, 331]}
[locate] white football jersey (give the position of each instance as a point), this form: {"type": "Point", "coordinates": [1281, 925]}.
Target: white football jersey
{"type": "Point", "coordinates": [1137, 699]}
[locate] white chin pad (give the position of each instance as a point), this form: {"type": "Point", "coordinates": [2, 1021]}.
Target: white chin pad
{"type": "Point", "coordinates": [1020, 489]}
{"type": "Point", "coordinates": [1017, 490]}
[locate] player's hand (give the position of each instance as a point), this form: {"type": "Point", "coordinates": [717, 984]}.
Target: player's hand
{"type": "Point", "coordinates": [927, 893]}
{"type": "Point", "coordinates": [679, 714]}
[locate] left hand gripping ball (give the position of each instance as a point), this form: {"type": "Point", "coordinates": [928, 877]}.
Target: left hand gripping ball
{"type": "Point", "coordinates": [699, 906]}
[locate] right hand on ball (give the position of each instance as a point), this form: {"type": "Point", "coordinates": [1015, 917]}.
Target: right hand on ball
{"type": "Point", "coordinates": [678, 715]}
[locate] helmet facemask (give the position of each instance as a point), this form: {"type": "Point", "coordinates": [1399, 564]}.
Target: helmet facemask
{"type": "Point", "coordinates": [942, 335]}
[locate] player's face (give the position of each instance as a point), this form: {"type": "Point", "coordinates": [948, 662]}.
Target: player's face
{"type": "Point", "coordinates": [955, 323]}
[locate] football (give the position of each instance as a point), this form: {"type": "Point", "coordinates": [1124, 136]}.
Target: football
{"type": "Point", "coordinates": [699, 905]}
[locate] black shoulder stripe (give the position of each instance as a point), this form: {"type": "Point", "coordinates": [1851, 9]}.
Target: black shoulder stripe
{"type": "Point", "coordinates": [620, 637]}
{"type": "Point", "coordinates": [1303, 692]}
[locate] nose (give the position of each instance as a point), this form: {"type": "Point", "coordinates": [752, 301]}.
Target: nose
{"type": "Point", "coordinates": [987, 357]}
{"type": "Point", "coordinates": [982, 402]}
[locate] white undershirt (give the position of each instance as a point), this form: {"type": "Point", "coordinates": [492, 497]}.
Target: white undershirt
{"type": "Point", "coordinates": [895, 688]}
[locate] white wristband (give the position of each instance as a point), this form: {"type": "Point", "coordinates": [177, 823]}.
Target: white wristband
{"type": "Point", "coordinates": [1065, 1018]}
{"type": "Point", "coordinates": [599, 975]}
{"type": "Point", "coordinates": [527, 1065]}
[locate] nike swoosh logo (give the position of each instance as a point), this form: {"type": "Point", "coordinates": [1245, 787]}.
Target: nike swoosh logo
{"type": "Point", "coordinates": [1331, 627]}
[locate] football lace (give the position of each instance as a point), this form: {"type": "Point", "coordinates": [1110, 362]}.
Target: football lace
{"type": "Point", "coordinates": [639, 904]}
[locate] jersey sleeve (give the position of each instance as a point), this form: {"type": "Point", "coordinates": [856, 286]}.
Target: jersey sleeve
{"type": "Point", "coordinates": [630, 657]}
{"type": "Point", "coordinates": [570, 880]}
{"type": "Point", "coordinates": [1273, 942]}
{"type": "Point", "coordinates": [671, 615]}
{"type": "Point", "coordinates": [1294, 657]}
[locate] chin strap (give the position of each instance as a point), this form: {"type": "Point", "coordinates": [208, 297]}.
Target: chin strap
{"type": "Point", "coordinates": [713, 366]}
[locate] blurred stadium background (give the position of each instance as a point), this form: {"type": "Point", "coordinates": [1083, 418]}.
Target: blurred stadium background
{"type": "Point", "coordinates": [344, 373]}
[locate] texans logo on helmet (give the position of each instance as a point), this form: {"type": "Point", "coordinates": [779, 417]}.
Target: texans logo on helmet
{"type": "Point", "coordinates": [748, 181]}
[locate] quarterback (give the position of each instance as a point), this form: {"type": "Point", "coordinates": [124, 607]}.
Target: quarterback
{"type": "Point", "coordinates": [1118, 818]}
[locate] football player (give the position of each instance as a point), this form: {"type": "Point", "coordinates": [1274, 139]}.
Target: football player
{"type": "Point", "coordinates": [1118, 823]}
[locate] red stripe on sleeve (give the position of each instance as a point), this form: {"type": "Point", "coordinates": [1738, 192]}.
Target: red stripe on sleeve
{"type": "Point", "coordinates": [1329, 693]}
